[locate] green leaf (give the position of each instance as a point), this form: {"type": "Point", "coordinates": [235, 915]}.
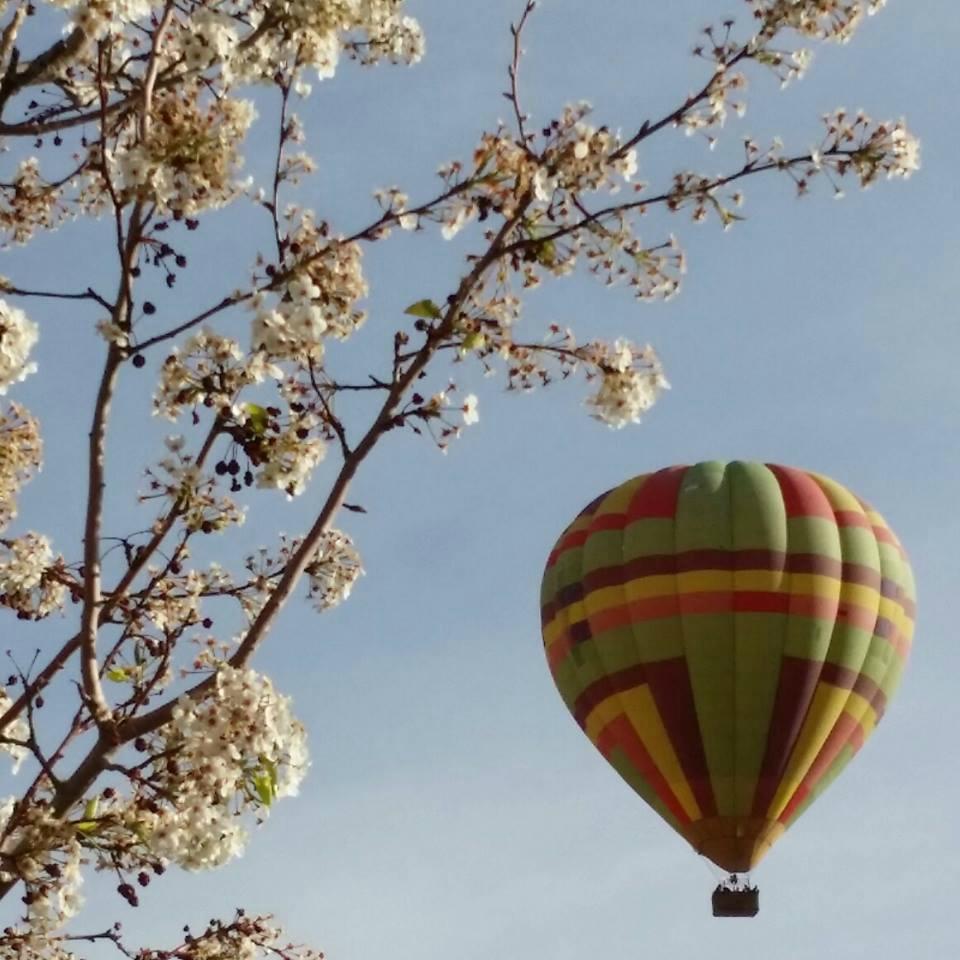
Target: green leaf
{"type": "Point", "coordinates": [426, 309]}
{"type": "Point", "coordinates": [118, 674]}
{"type": "Point", "coordinates": [265, 783]}
{"type": "Point", "coordinates": [261, 783]}
{"type": "Point", "coordinates": [258, 418]}
{"type": "Point", "coordinates": [88, 824]}
{"type": "Point", "coordinates": [547, 253]}
{"type": "Point", "coordinates": [474, 341]}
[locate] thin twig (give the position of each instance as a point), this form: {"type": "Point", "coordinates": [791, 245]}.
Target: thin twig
{"type": "Point", "coordinates": [598, 216]}
{"type": "Point", "coordinates": [513, 70]}
{"type": "Point", "coordinates": [88, 294]}
{"type": "Point", "coordinates": [648, 129]}
{"type": "Point", "coordinates": [331, 418]}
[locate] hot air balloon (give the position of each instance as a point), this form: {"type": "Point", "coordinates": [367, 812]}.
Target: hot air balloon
{"type": "Point", "coordinates": [728, 635]}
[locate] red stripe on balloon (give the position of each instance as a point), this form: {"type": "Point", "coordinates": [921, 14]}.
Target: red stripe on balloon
{"type": "Point", "coordinates": [672, 692]}
{"type": "Point", "coordinates": [840, 736]}
{"type": "Point", "coordinates": [620, 733]}
{"type": "Point", "coordinates": [795, 689]}
{"type": "Point", "coordinates": [802, 496]}
{"type": "Point", "coordinates": [658, 496]}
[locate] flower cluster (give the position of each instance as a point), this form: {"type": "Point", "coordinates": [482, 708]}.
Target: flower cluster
{"type": "Point", "coordinates": [190, 159]}
{"type": "Point", "coordinates": [574, 158]}
{"type": "Point", "coordinates": [265, 567]}
{"type": "Point", "coordinates": [288, 458]}
{"type": "Point", "coordinates": [333, 571]}
{"type": "Point", "coordinates": [317, 301]}
{"type": "Point", "coordinates": [16, 729]}
{"type": "Point", "coordinates": [818, 19]}
{"type": "Point", "coordinates": [179, 478]}
{"type": "Point", "coordinates": [21, 454]}
{"type": "Point", "coordinates": [546, 193]}
{"type": "Point", "coordinates": [17, 944]}
{"type": "Point", "coordinates": [208, 370]}
{"type": "Point", "coordinates": [581, 158]}
{"type": "Point", "coordinates": [174, 601]}
{"type": "Point", "coordinates": [630, 380]}
{"type": "Point", "coordinates": [238, 748]}
{"type": "Point", "coordinates": [27, 204]}
{"type": "Point", "coordinates": [713, 111]}
{"type": "Point", "coordinates": [304, 34]}
{"type": "Point", "coordinates": [45, 854]}
{"type": "Point", "coordinates": [244, 938]}
{"type": "Point", "coordinates": [29, 580]}
{"type": "Point", "coordinates": [18, 334]}
{"type": "Point", "coordinates": [55, 896]}
{"type": "Point", "coordinates": [874, 150]}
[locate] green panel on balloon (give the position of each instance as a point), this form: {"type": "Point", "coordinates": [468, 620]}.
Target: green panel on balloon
{"type": "Point", "coordinates": [704, 522]}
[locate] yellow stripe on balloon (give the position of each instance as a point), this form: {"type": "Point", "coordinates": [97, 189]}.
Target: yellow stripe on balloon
{"type": "Point", "coordinates": [643, 588]}
{"type": "Point", "coordinates": [860, 595]}
{"type": "Point", "coordinates": [762, 581]}
{"type": "Point", "coordinates": [553, 631]}
{"type": "Point", "coordinates": [596, 601]}
{"type": "Point", "coordinates": [825, 708]}
{"type": "Point", "coordinates": [641, 710]}
{"type": "Point", "coordinates": [604, 713]}
{"type": "Point", "coordinates": [862, 711]}
{"type": "Point", "coordinates": [718, 581]}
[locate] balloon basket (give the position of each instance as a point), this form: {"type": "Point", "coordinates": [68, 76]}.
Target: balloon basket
{"type": "Point", "coordinates": [736, 902]}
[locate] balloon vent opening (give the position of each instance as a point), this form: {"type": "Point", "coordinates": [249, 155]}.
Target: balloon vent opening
{"type": "Point", "coordinates": [735, 899]}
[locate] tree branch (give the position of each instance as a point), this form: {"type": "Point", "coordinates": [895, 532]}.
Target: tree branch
{"type": "Point", "coordinates": [139, 726]}
{"type": "Point", "coordinates": [88, 294]}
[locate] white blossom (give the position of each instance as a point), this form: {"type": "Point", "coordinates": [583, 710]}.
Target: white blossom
{"type": "Point", "coordinates": [26, 581]}
{"type": "Point", "coordinates": [290, 460]}
{"type": "Point", "coordinates": [239, 747]}
{"type": "Point", "coordinates": [469, 409]}
{"type": "Point", "coordinates": [318, 302]}
{"type": "Point", "coordinates": [334, 570]}
{"type": "Point", "coordinates": [461, 215]}
{"type": "Point", "coordinates": [630, 381]}
{"type": "Point", "coordinates": [819, 19]}
{"type": "Point", "coordinates": [208, 369]}
{"type": "Point", "coordinates": [16, 729]}
{"type": "Point", "coordinates": [21, 454]}
{"type": "Point", "coordinates": [42, 851]}
{"type": "Point", "coordinates": [191, 159]}
{"type": "Point", "coordinates": [18, 334]}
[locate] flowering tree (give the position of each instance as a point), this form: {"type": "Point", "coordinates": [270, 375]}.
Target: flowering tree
{"type": "Point", "coordinates": [176, 744]}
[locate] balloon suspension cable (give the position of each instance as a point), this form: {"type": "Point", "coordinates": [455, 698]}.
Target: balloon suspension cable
{"type": "Point", "coordinates": [716, 874]}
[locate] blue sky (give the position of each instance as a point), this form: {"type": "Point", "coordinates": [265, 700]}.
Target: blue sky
{"type": "Point", "coordinates": [453, 809]}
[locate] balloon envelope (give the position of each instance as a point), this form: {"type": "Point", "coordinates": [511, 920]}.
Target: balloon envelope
{"type": "Point", "coordinates": [728, 635]}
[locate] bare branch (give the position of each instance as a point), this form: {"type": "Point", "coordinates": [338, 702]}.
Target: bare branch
{"type": "Point", "coordinates": [516, 30]}
{"type": "Point", "coordinates": [88, 294]}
